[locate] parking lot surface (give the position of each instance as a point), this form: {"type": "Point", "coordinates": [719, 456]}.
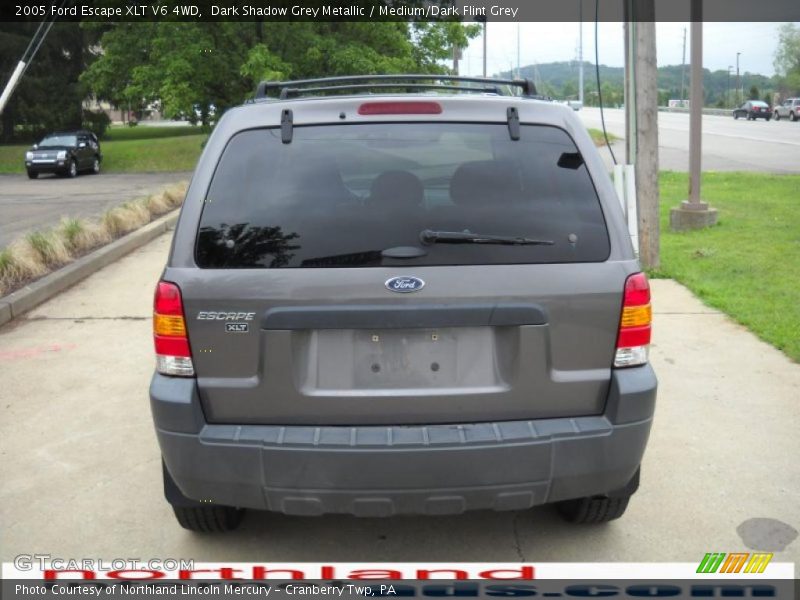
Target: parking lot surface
{"type": "Point", "coordinates": [80, 469]}
{"type": "Point", "coordinates": [27, 204]}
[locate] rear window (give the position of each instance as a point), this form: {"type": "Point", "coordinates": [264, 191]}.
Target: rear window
{"type": "Point", "coordinates": [340, 195]}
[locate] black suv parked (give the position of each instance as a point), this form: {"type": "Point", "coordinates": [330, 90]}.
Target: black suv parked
{"type": "Point", "coordinates": [65, 153]}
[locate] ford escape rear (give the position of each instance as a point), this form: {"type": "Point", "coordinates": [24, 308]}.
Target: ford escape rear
{"type": "Point", "coordinates": [400, 303]}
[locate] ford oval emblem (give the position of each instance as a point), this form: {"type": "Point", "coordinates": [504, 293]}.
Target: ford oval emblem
{"type": "Point", "coordinates": [405, 285]}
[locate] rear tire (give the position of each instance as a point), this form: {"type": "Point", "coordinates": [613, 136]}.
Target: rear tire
{"type": "Point", "coordinates": [199, 516]}
{"type": "Point", "coordinates": [777, 116]}
{"type": "Point", "coordinates": [96, 166]}
{"type": "Point", "coordinates": [736, 116]}
{"type": "Point", "coordinates": [208, 519]}
{"type": "Point", "coordinates": [792, 116]}
{"type": "Point", "coordinates": [597, 509]}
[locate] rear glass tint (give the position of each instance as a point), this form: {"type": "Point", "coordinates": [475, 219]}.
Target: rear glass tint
{"type": "Point", "coordinates": [340, 195]}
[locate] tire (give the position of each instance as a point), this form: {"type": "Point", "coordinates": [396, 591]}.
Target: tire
{"type": "Point", "coordinates": [33, 175]}
{"type": "Point", "coordinates": [208, 519]}
{"type": "Point", "coordinates": [792, 116]}
{"type": "Point", "coordinates": [736, 116]}
{"type": "Point", "coordinates": [768, 118]}
{"type": "Point", "coordinates": [96, 166]}
{"type": "Point", "coordinates": [777, 116]}
{"type": "Point", "coordinates": [598, 509]}
{"type": "Point", "coordinates": [72, 170]}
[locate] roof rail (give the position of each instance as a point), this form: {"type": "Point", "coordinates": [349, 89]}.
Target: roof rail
{"type": "Point", "coordinates": [366, 83]}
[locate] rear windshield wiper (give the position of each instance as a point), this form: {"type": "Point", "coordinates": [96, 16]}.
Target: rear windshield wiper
{"type": "Point", "coordinates": [428, 237]}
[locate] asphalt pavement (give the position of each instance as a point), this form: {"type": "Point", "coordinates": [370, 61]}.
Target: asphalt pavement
{"type": "Point", "coordinates": [80, 471]}
{"type": "Point", "coordinates": [728, 144]}
{"type": "Point", "coordinates": [27, 204]}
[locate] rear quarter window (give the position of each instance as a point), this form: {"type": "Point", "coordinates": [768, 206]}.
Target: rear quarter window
{"type": "Point", "coordinates": [339, 195]}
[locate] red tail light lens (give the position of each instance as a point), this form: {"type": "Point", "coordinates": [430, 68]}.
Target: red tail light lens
{"type": "Point", "coordinates": [400, 108]}
{"type": "Point", "coordinates": [173, 354]}
{"type": "Point", "coordinates": [635, 326]}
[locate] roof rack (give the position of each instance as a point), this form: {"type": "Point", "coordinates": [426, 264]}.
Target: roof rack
{"type": "Point", "coordinates": [366, 83]}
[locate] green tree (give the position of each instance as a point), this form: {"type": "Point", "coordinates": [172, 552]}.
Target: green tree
{"type": "Point", "coordinates": [754, 93]}
{"type": "Point", "coordinates": [50, 94]}
{"type": "Point", "coordinates": [787, 57]}
{"type": "Point", "coordinates": [191, 68]}
{"type": "Point", "coordinates": [569, 91]}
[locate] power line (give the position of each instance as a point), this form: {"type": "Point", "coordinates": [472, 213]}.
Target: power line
{"type": "Point", "coordinates": [597, 75]}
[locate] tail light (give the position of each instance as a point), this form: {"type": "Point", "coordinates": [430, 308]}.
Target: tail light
{"type": "Point", "coordinates": [633, 338]}
{"type": "Point", "coordinates": [173, 355]}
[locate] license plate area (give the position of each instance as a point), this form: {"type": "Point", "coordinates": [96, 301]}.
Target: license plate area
{"type": "Point", "coordinates": [402, 361]}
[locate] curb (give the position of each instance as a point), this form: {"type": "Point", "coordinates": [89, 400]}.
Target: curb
{"type": "Point", "coordinates": [23, 300]}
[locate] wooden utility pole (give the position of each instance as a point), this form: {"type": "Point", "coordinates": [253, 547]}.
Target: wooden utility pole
{"type": "Point", "coordinates": [683, 65]}
{"type": "Point", "coordinates": [694, 213]}
{"type": "Point", "coordinates": [645, 95]}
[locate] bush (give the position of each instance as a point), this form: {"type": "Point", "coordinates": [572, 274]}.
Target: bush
{"type": "Point", "coordinates": [96, 122]}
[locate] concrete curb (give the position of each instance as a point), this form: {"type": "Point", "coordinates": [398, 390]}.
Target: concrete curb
{"type": "Point", "coordinates": [23, 300]}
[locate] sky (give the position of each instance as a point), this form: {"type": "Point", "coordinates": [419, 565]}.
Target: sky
{"type": "Point", "coordinates": [552, 42]}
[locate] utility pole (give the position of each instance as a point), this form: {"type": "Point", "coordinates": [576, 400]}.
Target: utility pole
{"type": "Point", "coordinates": [456, 49]}
{"type": "Point", "coordinates": [645, 94]}
{"type": "Point", "coordinates": [728, 89]}
{"type": "Point", "coordinates": [484, 46]}
{"type": "Point", "coordinates": [694, 213]}
{"type": "Point", "coordinates": [683, 65]}
{"type": "Point", "coordinates": [738, 100]}
{"type": "Point", "coordinates": [580, 52]}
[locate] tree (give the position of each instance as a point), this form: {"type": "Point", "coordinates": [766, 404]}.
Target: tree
{"type": "Point", "coordinates": [754, 93]}
{"type": "Point", "coordinates": [197, 68]}
{"type": "Point", "coordinates": [787, 57]}
{"type": "Point", "coordinates": [50, 94]}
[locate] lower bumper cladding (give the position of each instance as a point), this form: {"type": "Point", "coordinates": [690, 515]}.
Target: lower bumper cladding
{"type": "Point", "coordinates": [374, 471]}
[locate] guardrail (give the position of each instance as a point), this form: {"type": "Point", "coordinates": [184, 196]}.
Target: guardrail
{"type": "Point", "coordinates": [726, 112]}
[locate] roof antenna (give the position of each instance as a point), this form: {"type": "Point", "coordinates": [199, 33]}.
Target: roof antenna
{"type": "Point", "coordinates": [286, 126]}
{"type": "Point", "coordinates": [512, 115]}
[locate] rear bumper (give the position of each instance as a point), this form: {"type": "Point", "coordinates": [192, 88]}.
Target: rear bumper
{"type": "Point", "coordinates": [382, 471]}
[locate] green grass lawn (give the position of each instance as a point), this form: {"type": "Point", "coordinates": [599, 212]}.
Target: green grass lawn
{"type": "Point", "coordinates": [598, 138]}
{"type": "Point", "coordinates": [162, 154]}
{"type": "Point", "coordinates": [132, 149]}
{"type": "Point", "coordinates": [144, 132]}
{"type": "Point", "coordinates": [748, 266]}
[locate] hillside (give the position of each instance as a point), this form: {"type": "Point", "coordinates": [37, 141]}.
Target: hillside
{"type": "Point", "coordinates": [560, 80]}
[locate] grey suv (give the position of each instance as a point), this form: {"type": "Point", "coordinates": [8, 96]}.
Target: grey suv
{"type": "Point", "coordinates": [400, 295]}
{"type": "Point", "coordinates": [789, 109]}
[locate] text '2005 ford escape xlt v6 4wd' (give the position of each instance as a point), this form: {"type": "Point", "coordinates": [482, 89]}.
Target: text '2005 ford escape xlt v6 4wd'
{"type": "Point", "coordinates": [417, 301]}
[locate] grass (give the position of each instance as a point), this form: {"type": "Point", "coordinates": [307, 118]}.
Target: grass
{"type": "Point", "coordinates": [40, 252]}
{"type": "Point", "coordinates": [748, 266]}
{"type": "Point", "coordinates": [132, 150]}
{"type": "Point", "coordinates": [119, 133]}
{"type": "Point", "coordinates": [598, 138]}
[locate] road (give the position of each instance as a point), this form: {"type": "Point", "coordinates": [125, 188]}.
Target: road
{"type": "Point", "coordinates": [728, 144]}
{"type": "Point", "coordinates": [80, 467]}
{"type": "Point", "coordinates": [34, 204]}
